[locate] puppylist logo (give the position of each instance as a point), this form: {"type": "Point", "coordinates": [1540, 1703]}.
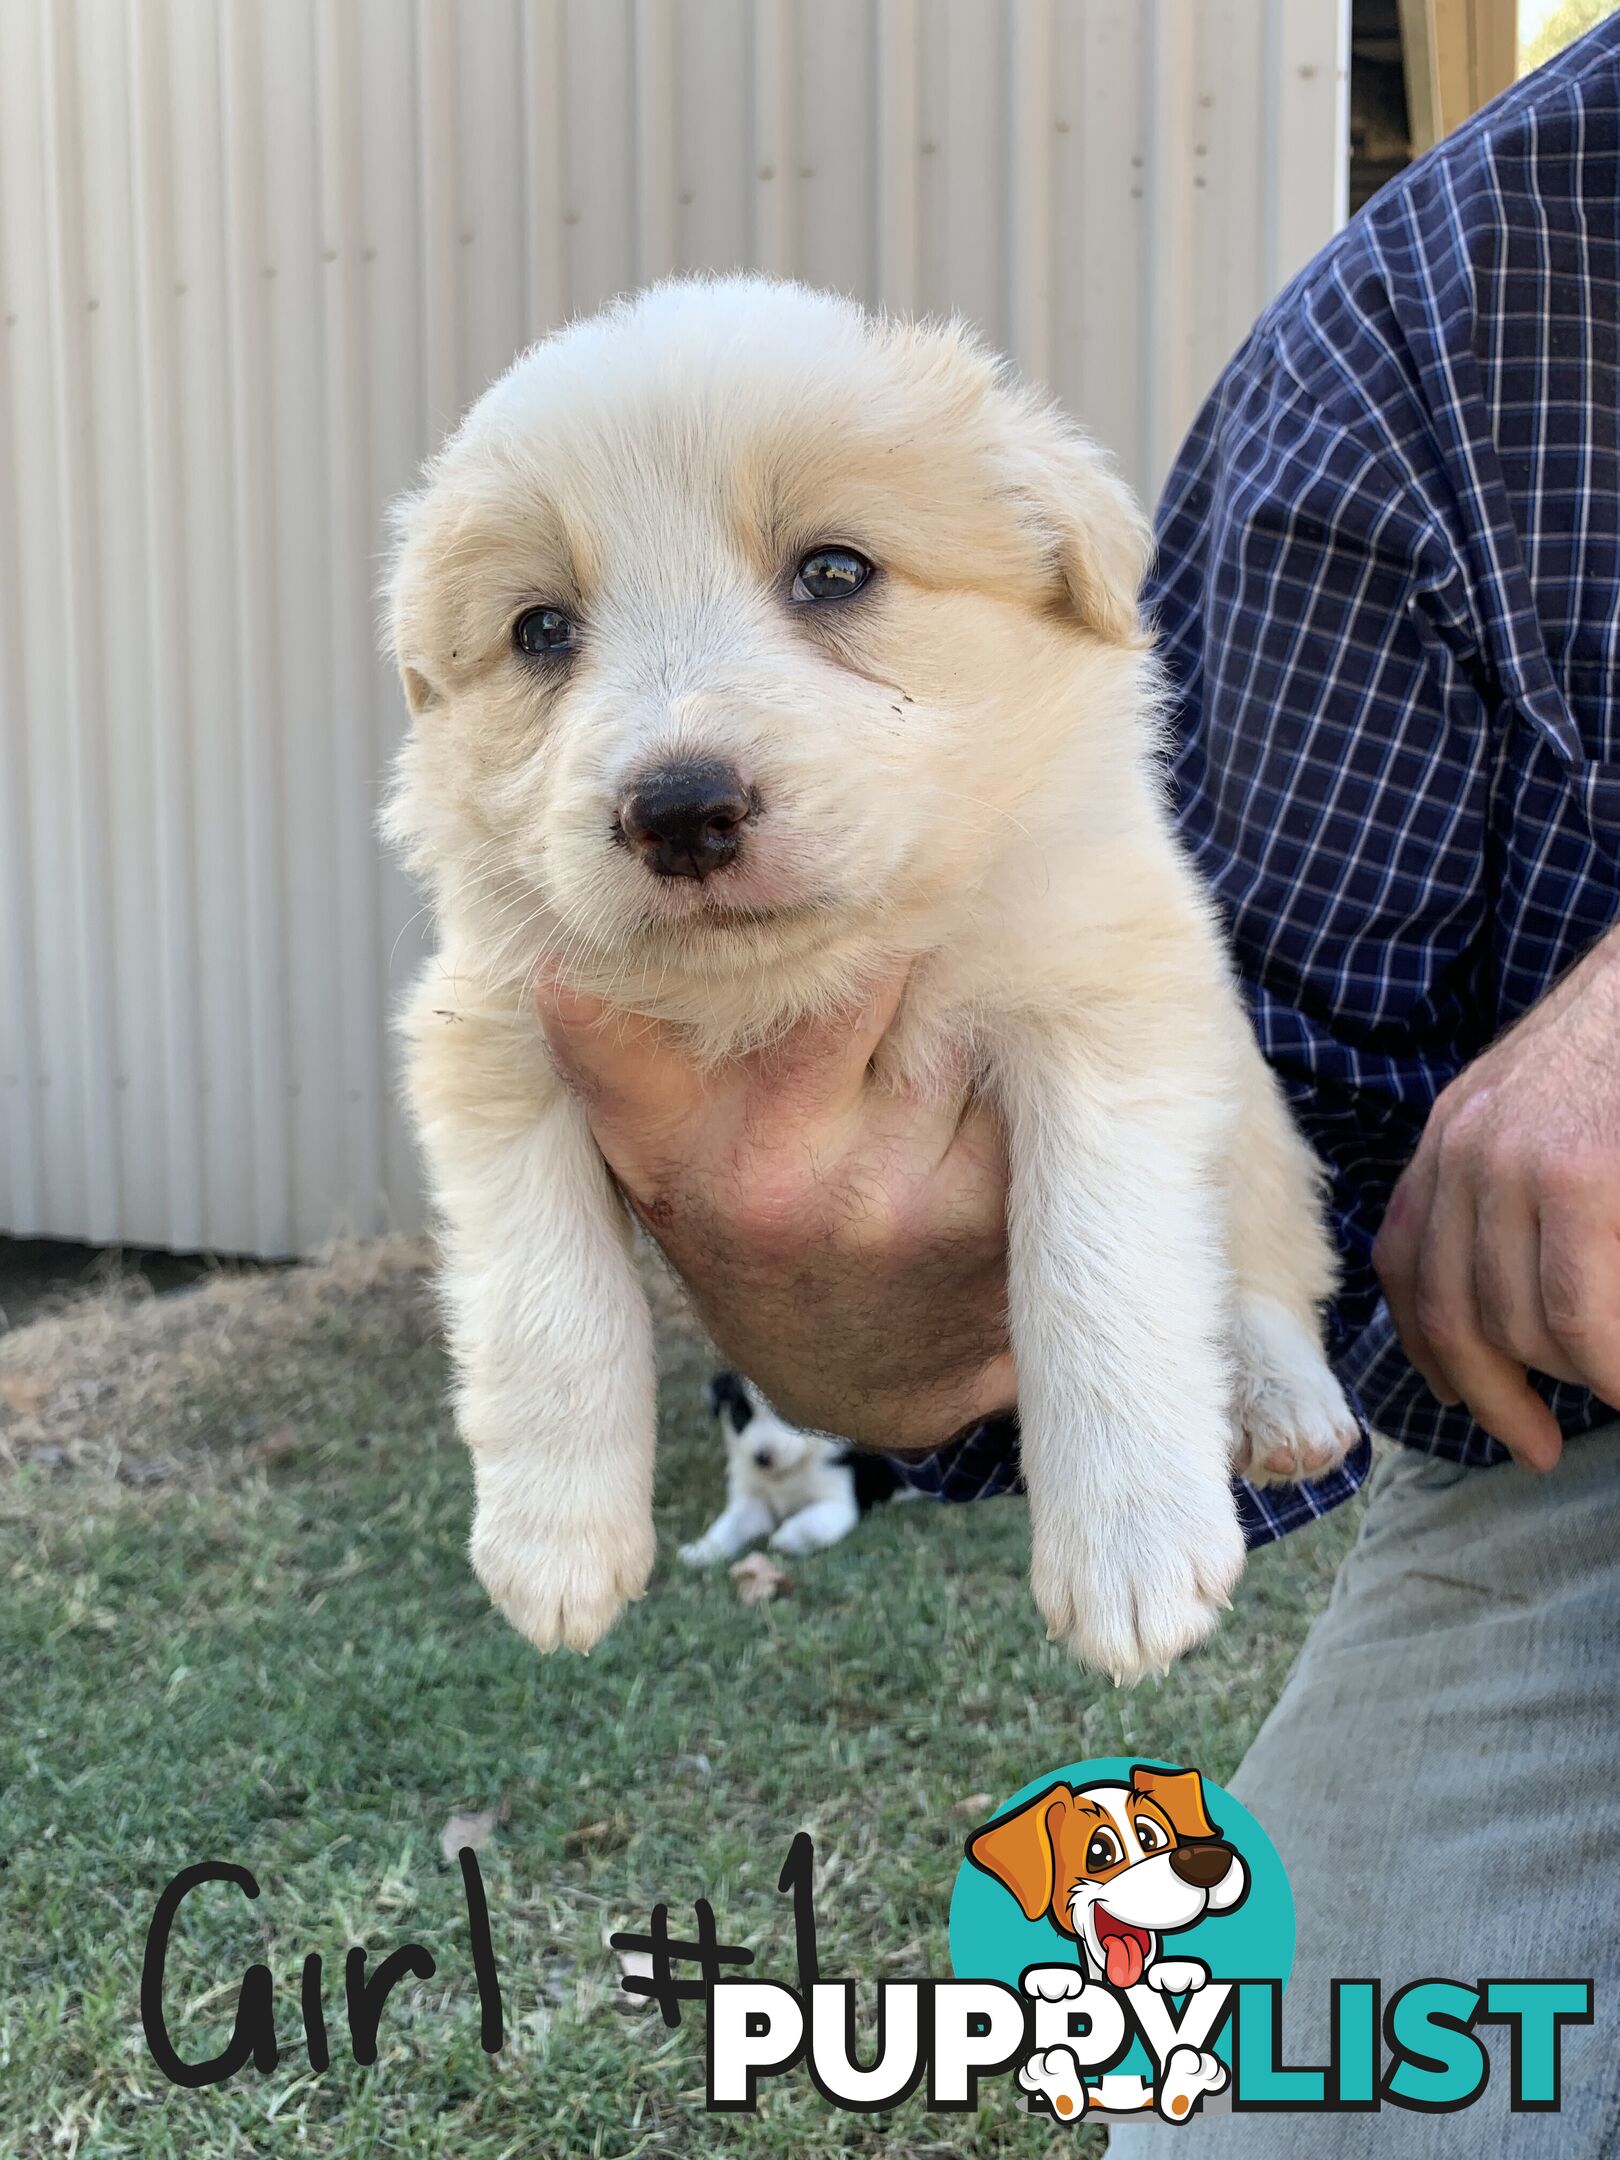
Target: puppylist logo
{"type": "Point", "coordinates": [1118, 1875]}
{"type": "Point", "coordinates": [1121, 1933]}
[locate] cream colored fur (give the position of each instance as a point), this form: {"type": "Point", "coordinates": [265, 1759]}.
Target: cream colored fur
{"type": "Point", "coordinates": [959, 767]}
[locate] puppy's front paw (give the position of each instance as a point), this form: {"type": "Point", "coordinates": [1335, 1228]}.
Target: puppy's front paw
{"type": "Point", "coordinates": [567, 1590]}
{"type": "Point", "coordinates": [1129, 1590]}
{"type": "Point", "coordinates": [800, 1538]}
{"type": "Point", "coordinates": [700, 1553]}
{"type": "Point", "coordinates": [561, 1578]}
{"type": "Point", "coordinates": [1290, 1416]}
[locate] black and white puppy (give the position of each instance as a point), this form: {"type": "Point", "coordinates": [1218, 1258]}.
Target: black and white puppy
{"type": "Point", "coordinates": [803, 1490]}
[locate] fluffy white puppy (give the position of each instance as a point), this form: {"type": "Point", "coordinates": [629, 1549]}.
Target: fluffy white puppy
{"type": "Point", "coordinates": [754, 646]}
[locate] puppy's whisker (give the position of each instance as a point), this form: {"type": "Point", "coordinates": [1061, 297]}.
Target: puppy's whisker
{"type": "Point", "coordinates": [425, 909]}
{"type": "Point", "coordinates": [989, 808]}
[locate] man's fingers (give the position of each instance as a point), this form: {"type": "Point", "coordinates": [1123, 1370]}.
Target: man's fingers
{"type": "Point", "coordinates": [1492, 1383]}
{"type": "Point", "coordinates": [1444, 1314]}
{"type": "Point", "coordinates": [632, 1073]}
{"type": "Point", "coordinates": [1507, 1279]}
{"type": "Point", "coordinates": [1395, 1257]}
{"type": "Point", "coordinates": [1579, 1267]}
{"type": "Point", "coordinates": [1500, 1397]}
{"type": "Point", "coordinates": [1426, 1263]}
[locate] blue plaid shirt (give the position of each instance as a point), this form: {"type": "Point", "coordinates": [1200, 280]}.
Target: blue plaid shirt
{"type": "Point", "coordinates": [1388, 597]}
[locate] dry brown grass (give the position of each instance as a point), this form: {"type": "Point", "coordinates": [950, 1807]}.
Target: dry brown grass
{"type": "Point", "coordinates": [98, 1389]}
{"type": "Point", "coordinates": [170, 1390]}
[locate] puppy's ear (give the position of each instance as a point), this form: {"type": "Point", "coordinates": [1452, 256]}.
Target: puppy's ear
{"type": "Point", "coordinates": [726, 1395]}
{"type": "Point", "coordinates": [1017, 1849]}
{"type": "Point", "coordinates": [1181, 1795]}
{"type": "Point", "coordinates": [1089, 524]}
{"type": "Point", "coordinates": [409, 601]}
{"type": "Point", "coordinates": [420, 695]}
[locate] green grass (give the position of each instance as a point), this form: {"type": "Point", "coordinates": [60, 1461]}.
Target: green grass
{"type": "Point", "coordinates": [292, 1668]}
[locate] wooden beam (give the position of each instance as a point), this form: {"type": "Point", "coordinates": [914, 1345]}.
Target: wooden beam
{"type": "Point", "coordinates": [1458, 55]}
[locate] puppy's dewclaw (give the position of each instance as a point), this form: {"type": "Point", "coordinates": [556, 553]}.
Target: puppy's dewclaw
{"type": "Point", "coordinates": [758, 650]}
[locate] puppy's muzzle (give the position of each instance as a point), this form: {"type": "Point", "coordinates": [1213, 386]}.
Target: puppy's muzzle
{"type": "Point", "coordinates": [685, 821]}
{"type": "Point", "coordinates": [1201, 1866]}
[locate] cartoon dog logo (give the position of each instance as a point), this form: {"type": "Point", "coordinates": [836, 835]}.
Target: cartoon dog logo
{"type": "Point", "coordinates": [1116, 1867]}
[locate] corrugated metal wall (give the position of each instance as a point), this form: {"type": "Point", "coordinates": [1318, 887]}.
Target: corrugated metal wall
{"type": "Point", "coordinates": [255, 254]}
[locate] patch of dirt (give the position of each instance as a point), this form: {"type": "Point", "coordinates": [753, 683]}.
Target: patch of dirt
{"type": "Point", "coordinates": [145, 1390]}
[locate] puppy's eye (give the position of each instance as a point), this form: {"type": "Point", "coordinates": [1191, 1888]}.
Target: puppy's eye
{"type": "Point", "coordinates": [1103, 1850]}
{"type": "Point", "coordinates": [831, 574]}
{"type": "Point", "coordinates": [1148, 1834]}
{"type": "Point", "coordinates": [543, 631]}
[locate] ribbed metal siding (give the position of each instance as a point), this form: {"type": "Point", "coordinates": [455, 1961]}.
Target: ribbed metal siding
{"type": "Point", "coordinates": [256, 254]}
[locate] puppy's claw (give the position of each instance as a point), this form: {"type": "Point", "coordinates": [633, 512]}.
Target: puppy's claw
{"type": "Point", "coordinates": [1130, 1618]}
{"type": "Point", "coordinates": [561, 1587]}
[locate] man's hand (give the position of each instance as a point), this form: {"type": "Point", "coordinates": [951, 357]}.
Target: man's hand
{"type": "Point", "coordinates": [845, 1246]}
{"type": "Point", "coordinates": [1501, 1247]}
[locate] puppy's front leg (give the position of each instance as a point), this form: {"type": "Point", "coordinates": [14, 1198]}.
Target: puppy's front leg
{"type": "Point", "coordinates": [1291, 1416]}
{"type": "Point", "coordinates": [814, 1528]}
{"type": "Point", "coordinates": [549, 1327]}
{"type": "Point", "coordinates": [740, 1522]}
{"type": "Point", "coordinates": [1120, 1302]}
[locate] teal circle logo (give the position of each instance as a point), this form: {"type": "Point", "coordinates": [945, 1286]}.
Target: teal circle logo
{"type": "Point", "coordinates": [1116, 1866]}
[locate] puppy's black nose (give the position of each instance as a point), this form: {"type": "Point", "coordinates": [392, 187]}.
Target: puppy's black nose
{"type": "Point", "coordinates": [686, 820]}
{"type": "Point", "coordinates": [764, 1457]}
